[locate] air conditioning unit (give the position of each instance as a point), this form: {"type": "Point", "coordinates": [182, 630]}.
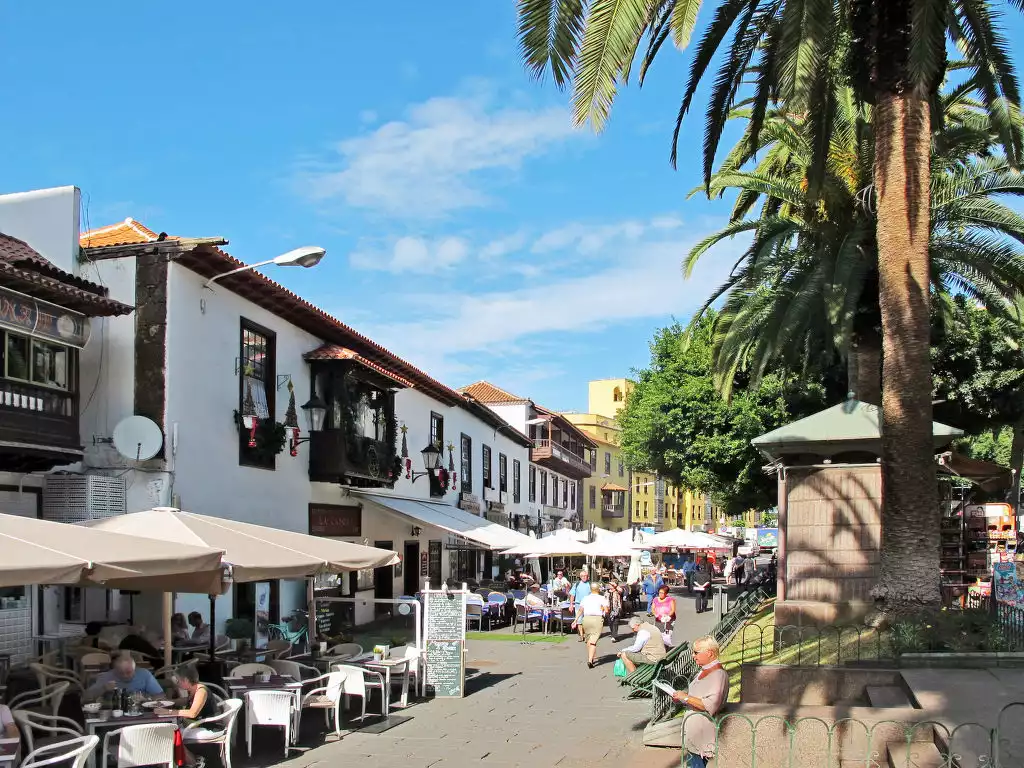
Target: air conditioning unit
{"type": "Point", "coordinates": [75, 498]}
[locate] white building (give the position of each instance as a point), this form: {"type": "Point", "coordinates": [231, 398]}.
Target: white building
{"type": "Point", "coordinates": [561, 457]}
{"type": "Point", "coordinates": [198, 360]}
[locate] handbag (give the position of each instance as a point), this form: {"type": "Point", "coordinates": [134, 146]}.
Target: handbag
{"type": "Point", "coordinates": [619, 670]}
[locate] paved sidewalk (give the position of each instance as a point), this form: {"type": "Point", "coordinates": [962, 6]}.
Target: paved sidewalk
{"type": "Point", "coordinates": [534, 704]}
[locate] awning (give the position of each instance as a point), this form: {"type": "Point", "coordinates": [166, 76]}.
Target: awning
{"type": "Point", "coordinates": [613, 487]}
{"type": "Point", "coordinates": [989, 476]}
{"type": "Point", "coordinates": [448, 518]}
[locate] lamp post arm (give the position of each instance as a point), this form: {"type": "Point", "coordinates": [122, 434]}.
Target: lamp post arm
{"type": "Point", "coordinates": [209, 283]}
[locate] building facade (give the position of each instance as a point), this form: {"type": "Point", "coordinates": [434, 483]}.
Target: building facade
{"type": "Point", "coordinates": [560, 458]}
{"type": "Point", "coordinates": [222, 367]}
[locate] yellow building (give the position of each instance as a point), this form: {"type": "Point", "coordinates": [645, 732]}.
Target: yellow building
{"type": "Point", "coordinates": [615, 497]}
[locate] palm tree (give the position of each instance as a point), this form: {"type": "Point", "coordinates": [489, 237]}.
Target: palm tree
{"type": "Point", "coordinates": [897, 59]}
{"type": "Point", "coordinates": [808, 282]}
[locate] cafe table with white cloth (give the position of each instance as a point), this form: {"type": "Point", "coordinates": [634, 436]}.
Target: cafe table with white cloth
{"type": "Point", "coordinates": [384, 666]}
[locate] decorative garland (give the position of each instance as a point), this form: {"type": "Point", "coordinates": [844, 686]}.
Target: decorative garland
{"type": "Point", "coordinates": [270, 437]}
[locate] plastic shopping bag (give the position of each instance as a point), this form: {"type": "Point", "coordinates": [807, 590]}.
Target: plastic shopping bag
{"type": "Point", "coordinates": [619, 670]}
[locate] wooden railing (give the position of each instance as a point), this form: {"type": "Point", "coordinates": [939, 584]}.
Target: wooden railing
{"type": "Point", "coordinates": [38, 415]}
{"type": "Point", "coordinates": [26, 397]}
{"type": "Point", "coordinates": [563, 454]}
{"type": "Point", "coordinates": [613, 510]}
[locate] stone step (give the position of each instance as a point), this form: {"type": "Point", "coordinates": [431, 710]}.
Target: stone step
{"type": "Point", "coordinates": [920, 754]}
{"type": "Point", "coordinates": [887, 696]}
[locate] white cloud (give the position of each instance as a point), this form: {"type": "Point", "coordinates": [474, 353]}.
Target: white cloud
{"type": "Point", "coordinates": [368, 116]}
{"type": "Point", "coordinates": [503, 246]}
{"type": "Point", "coordinates": [413, 254]}
{"type": "Point", "coordinates": [432, 162]}
{"type": "Point", "coordinates": [592, 239]}
{"type": "Point", "coordinates": [645, 282]}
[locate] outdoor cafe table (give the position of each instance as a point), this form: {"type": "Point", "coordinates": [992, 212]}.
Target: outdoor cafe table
{"type": "Point", "coordinates": [105, 720]}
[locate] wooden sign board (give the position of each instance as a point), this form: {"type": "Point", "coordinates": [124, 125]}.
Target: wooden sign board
{"type": "Point", "coordinates": [445, 637]}
{"type": "Point", "coordinates": [335, 520]}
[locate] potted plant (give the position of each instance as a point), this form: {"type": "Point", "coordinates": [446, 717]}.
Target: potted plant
{"type": "Point", "coordinates": [241, 630]}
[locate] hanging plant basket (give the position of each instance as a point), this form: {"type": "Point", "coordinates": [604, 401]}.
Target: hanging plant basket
{"type": "Point", "coordinates": [270, 436]}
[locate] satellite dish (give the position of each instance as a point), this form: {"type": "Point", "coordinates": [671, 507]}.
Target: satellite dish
{"type": "Point", "coordinates": [138, 438]}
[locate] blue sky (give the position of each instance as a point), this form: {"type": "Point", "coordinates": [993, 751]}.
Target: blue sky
{"type": "Point", "coordinates": [469, 227]}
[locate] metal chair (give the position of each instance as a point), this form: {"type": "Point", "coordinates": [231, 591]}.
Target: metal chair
{"type": "Point", "coordinates": [358, 681]}
{"type": "Point", "coordinates": [475, 611]}
{"type": "Point", "coordinates": [227, 719]}
{"type": "Point", "coordinates": [301, 672]}
{"type": "Point", "coordinates": [76, 750]}
{"type": "Point", "coordinates": [345, 649]}
{"type": "Point", "coordinates": [246, 670]}
{"type": "Point", "coordinates": [45, 675]}
{"type": "Point", "coordinates": [49, 696]}
{"type": "Point", "coordinates": [269, 708]}
{"type": "Point", "coordinates": [45, 730]}
{"type": "Point", "coordinates": [326, 696]}
{"type": "Point", "coordinates": [138, 745]}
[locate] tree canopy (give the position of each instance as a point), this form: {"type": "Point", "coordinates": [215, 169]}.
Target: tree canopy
{"type": "Point", "coordinates": [678, 424]}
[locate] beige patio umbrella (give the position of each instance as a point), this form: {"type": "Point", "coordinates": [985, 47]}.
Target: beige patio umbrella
{"type": "Point", "coordinates": [43, 552]}
{"type": "Point", "coordinates": [253, 552]}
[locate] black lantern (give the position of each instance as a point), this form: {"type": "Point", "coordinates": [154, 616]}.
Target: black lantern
{"type": "Point", "coordinates": [432, 457]}
{"type": "Point", "coordinates": [315, 411]}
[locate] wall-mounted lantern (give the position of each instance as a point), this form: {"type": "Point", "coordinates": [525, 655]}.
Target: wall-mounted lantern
{"type": "Point", "coordinates": [315, 412]}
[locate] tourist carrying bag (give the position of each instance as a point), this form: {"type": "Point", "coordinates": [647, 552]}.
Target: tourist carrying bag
{"type": "Point", "coordinates": [619, 670]}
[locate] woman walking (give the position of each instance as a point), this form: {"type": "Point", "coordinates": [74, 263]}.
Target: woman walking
{"type": "Point", "coordinates": [594, 608]}
{"type": "Point", "coordinates": [614, 609]}
{"type": "Point", "coordinates": [663, 608]}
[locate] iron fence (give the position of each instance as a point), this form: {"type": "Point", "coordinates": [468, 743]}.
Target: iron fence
{"type": "Point", "coordinates": [781, 740]}
{"type": "Point", "coordinates": [811, 646]}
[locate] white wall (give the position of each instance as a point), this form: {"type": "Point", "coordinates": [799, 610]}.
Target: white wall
{"type": "Point", "coordinates": [46, 219]}
{"type": "Point", "coordinates": [515, 414]}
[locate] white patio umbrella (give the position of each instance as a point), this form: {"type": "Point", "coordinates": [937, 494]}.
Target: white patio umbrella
{"type": "Point", "coordinates": [44, 552]}
{"type": "Point", "coordinates": [254, 552]}
{"type": "Point", "coordinates": [677, 538]}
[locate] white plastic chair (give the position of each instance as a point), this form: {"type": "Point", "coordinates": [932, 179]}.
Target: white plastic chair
{"type": "Point", "coordinates": [358, 681]}
{"type": "Point", "coordinates": [269, 708]}
{"type": "Point", "coordinates": [228, 718]}
{"type": "Point", "coordinates": [345, 649]}
{"type": "Point", "coordinates": [49, 696]}
{"type": "Point", "coordinates": [45, 675]}
{"type": "Point", "coordinates": [45, 730]}
{"type": "Point", "coordinates": [326, 696]}
{"type": "Point", "coordinates": [151, 744]}
{"type": "Point", "coordinates": [414, 659]}
{"type": "Point", "coordinates": [247, 670]}
{"type": "Point", "coordinates": [75, 750]}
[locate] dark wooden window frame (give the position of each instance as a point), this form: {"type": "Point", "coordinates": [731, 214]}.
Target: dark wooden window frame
{"type": "Point", "coordinates": [246, 456]}
{"type": "Point", "coordinates": [516, 481]}
{"type": "Point", "coordinates": [485, 455]}
{"type": "Point", "coordinates": [543, 487]}
{"type": "Point", "coordinates": [466, 462]}
{"type": "Point", "coordinates": [437, 429]}
{"type": "Point", "coordinates": [502, 473]}
{"type": "Point", "coordinates": [593, 497]}
{"type": "Point", "coordinates": [532, 484]}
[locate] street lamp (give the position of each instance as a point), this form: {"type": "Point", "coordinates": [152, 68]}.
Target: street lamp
{"type": "Point", "coordinates": [432, 457]}
{"type": "Point", "coordinates": [315, 411]}
{"type": "Point", "coordinates": [306, 256]}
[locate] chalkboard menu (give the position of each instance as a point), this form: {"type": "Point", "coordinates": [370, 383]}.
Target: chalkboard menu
{"type": "Point", "coordinates": [445, 639]}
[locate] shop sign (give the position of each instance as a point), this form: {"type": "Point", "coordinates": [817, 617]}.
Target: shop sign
{"type": "Point", "coordinates": [469, 503]}
{"type": "Point", "coordinates": [335, 520]}
{"type": "Point", "coordinates": [495, 506]}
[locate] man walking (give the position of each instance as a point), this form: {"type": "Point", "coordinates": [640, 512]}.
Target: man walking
{"type": "Point", "coordinates": [579, 590]}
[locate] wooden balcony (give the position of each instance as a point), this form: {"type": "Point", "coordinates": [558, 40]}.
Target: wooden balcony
{"type": "Point", "coordinates": [613, 510]}
{"type": "Point", "coordinates": [559, 459]}
{"type": "Point", "coordinates": [38, 427]}
{"type": "Point", "coordinates": [362, 461]}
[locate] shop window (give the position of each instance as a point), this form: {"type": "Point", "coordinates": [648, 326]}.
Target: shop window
{"type": "Point", "coordinates": [256, 381]}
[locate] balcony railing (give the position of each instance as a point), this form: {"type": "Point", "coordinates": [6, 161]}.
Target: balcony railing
{"type": "Point", "coordinates": [38, 415]}
{"type": "Point", "coordinates": [546, 448]}
{"type": "Point", "coordinates": [613, 510]}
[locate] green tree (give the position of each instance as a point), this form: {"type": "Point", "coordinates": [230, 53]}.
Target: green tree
{"type": "Point", "coordinates": [895, 56]}
{"type": "Point", "coordinates": [808, 282]}
{"type": "Point", "coordinates": [677, 423]}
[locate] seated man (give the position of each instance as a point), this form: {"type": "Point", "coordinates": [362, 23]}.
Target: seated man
{"type": "Point", "coordinates": [200, 629]}
{"type": "Point", "coordinates": [648, 648]}
{"type": "Point", "coordinates": [125, 676]}
{"type": "Point", "coordinates": [533, 598]}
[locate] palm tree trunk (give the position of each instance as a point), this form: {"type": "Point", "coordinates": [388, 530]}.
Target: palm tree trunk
{"type": "Point", "coordinates": [1016, 460]}
{"type": "Point", "coordinates": [909, 573]}
{"type": "Point", "coordinates": [864, 368]}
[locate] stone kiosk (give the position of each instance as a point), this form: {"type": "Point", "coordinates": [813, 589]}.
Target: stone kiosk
{"type": "Point", "coordinates": [830, 511]}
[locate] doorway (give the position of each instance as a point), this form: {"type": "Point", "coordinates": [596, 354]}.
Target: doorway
{"type": "Point", "coordinates": [383, 583]}
{"type": "Point", "coordinates": [411, 568]}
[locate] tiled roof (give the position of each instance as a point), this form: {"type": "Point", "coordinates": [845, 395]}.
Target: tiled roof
{"type": "Point", "coordinates": [336, 352]}
{"type": "Point", "coordinates": [485, 392]}
{"type": "Point", "coordinates": [127, 232]}
{"type": "Point", "coordinates": [24, 269]}
{"type": "Point", "coordinates": [208, 261]}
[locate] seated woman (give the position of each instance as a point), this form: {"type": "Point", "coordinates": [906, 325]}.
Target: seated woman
{"type": "Point", "coordinates": [707, 694]}
{"type": "Point", "coordinates": [179, 628]}
{"type": "Point", "coordinates": [201, 705]}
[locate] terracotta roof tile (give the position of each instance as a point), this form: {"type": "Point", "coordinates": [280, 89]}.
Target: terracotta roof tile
{"type": "Point", "coordinates": [336, 352]}
{"type": "Point", "coordinates": [485, 392]}
{"type": "Point", "coordinates": [127, 232]}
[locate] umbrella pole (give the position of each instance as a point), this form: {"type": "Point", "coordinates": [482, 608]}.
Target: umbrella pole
{"type": "Point", "coordinates": [213, 627]}
{"type": "Point", "coordinates": [168, 639]}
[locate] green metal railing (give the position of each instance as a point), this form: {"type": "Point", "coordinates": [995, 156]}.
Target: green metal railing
{"type": "Point", "coordinates": [776, 741]}
{"type": "Point", "coordinates": [813, 646]}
